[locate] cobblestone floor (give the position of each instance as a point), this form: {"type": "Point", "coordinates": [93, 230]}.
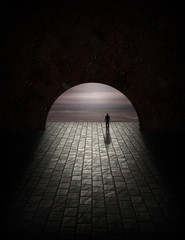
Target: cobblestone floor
{"type": "Point", "coordinates": [86, 182]}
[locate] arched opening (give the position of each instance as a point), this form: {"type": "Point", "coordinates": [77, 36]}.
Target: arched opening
{"type": "Point", "coordinates": [89, 102]}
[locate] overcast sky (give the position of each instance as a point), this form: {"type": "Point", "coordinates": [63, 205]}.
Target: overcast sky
{"type": "Point", "coordinates": [91, 99]}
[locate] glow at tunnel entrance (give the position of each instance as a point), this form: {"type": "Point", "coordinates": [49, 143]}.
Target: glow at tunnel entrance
{"type": "Point", "coordinates": [89, 102]}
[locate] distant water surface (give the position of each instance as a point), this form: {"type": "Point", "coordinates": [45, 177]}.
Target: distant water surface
{"type": "Point", "coordinates": [91, 116]}
{"type": "Point", "coordinates": [90, 102]}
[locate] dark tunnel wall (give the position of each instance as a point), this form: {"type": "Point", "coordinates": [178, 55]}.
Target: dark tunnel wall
{"type": "Point", "coordinates": [135, 46]}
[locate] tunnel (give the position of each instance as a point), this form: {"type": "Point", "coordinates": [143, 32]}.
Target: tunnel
{"type": "Point", "coordinates": [76, 180]}
{"type": "Point", "coordinates": [130, 46]}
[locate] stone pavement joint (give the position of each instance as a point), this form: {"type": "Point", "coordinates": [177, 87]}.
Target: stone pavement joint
{"type": "Point", "coordinates": [86, 182]}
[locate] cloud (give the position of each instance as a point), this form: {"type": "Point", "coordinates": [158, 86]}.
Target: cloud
{"type": "Point", "coordinates": [91, 97]}
{"type": "Point", "coordinates": [91, 87]}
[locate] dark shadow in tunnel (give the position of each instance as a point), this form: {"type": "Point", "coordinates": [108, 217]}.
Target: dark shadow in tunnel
{"type": "Point", "coordinates": [17, 153]}
{"type": "Point", "coordinates": [167, 151]}
{"type": "Point", "coordinates": [107, 138]}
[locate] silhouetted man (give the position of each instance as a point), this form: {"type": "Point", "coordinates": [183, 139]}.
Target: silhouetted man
{"type": "Point", "coordinates": [107, 120]}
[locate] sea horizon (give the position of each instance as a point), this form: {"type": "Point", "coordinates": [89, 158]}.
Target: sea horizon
{"type": "Point", "coordinates": [91, 116]}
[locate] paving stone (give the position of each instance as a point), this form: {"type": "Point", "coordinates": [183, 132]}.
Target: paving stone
{"type": "Point", "coordinates": [99, 223]}
{"type": "Point", "coordinates": [78, 186]}
{"type": "Point", "coordinates": [56, 216]}
{"type": "Point", "coordinates": [69, 222]}
{"type": "Point", "coordinates": [84, 230]}
{"type": "Point", "coordinates": [84, 218]}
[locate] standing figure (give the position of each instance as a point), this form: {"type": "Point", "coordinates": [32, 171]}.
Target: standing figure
{"type": "Point", "coordinates": [107, 120]}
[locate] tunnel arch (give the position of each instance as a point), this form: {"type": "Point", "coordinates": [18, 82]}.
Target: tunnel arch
{"type": "Point", "coordinates": [134, 95]}
{"type": "Point", "coordinates": [103, 88]}
{"type": "Point", "coordinates": [128, 47]}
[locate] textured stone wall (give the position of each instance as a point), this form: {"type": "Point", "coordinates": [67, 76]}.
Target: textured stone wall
{"type": "Point", "coordinates": [134, 46]}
